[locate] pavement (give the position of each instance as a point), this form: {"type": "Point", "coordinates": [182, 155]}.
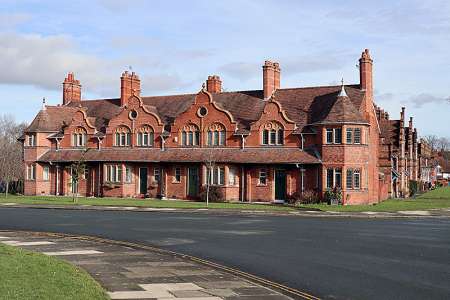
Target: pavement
{"type": "Point", "coordinates": [441, 212]}
{"type": "Point", "coordinates": [127, 271]}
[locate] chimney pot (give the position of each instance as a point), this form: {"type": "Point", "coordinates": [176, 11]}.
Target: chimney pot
{"type": "Point", "coordinates": [71, 89]}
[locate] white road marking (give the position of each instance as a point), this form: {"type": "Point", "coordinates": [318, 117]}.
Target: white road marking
{"type": "Point", "coordinates": [37, 243]}
{"type": "Point", "coordinates": [415, 212]}
{"type": "Point", "coordinates": [140, 295]}
{"type": "Point", "coordinates": [187, 286]}
{"type": "Point", "coordinates": [73, 252]}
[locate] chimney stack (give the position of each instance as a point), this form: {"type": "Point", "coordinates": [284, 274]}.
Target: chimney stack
{"type": "Point", "coordinates": [214, 84]}
{"type": "Point", "coordinates": [410, 123]}
{"type": "Point", "coordinates": [130, 85]}
{"type": "Point", "coordinates": [71, 89]}
{"type": "Point", "coordinates": [271, 78]}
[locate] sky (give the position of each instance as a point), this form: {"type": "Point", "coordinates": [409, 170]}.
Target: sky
{"type": "Point", "coordinates": [174, 45]}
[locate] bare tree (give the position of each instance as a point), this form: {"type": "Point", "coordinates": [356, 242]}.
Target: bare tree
{"type": "Point", "coordinates": [443, 144]}
{"type": "Point", "coordinates": [432, 140]}
{"type": "Point", "coordinates": [77, 170]}
{"type": "Point", "coordinates": [11, 167]}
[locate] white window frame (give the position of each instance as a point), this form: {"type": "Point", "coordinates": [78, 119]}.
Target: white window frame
{"type": "Point", "coordinates": [217, 176]}
{"type": "Point", "coordinates": [262, 175]}
{"type": "Point", "coordinates": [114, 173]}
{"type": "Point", "coordinates": [31, 140]}
{"type": "Point", "coordinates": [334, 136]}
{"type": "Point", "coordinates": [157, 174]}
{"type": "Point", "coordinates": [31, 172]}
{"type": "Point", "coordinates": [46, 173]}
{"type": "Point", "coordinates": [177, 175]}
{"type": "Point", "coordinates": [232, 172]}
{"type": "Point", "coordinates": [335, 171]}
{"type": "Point", "coordinates": [128, 174]}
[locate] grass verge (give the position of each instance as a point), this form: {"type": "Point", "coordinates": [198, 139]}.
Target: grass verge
{"type": "Point", "coordinates": [151, 203]}
{"type": "Point", "coordinates": [29, 275]}
{"type": "Point", "coordinates": [438, 198]}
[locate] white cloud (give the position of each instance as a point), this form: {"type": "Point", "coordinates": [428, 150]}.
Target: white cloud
{"type": "Point", "coordinates": [43, 61]}
{"type": "Point", "coordinates": [240, 70]}
{"type": "Point", "coordinates": [425, 98]}
{"type": "Point", "coordinates": [12, 20]}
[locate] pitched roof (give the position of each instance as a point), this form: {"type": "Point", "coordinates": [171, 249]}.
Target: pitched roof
{"type": "Point", "coordinates": [219, 155]}
{"type": "Point", "coordinates": [302, 105]}
{"type": "Point", "coordinates": [390, 131]}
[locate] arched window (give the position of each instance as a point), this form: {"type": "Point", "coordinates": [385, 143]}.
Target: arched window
{"type": "Point", "coordinates": [122, 137]}
{"type": "Point", "coordinates": [272, 134]}
{"type": "Point", "coordinates": [190, 135]}
{"type": "Point", "coordinates": [216, 135]}
{"type": "Point", "coordinates": [145, 136]}
{"type": "Point", "coordinates": [79, 137]}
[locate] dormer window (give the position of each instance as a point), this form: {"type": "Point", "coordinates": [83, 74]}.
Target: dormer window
{"type": "Point", "coordinates": [145, 136]}
{"type": "Point", "coordinates": [122, 137]}
{"type": "Point", "coordinates": [216, 135]}
{"type": "Point", "coordinates": [79, 137]}
{"type": "Point", "coordinates": [31, 140]}
{"type": "Point", "coordinates": [272, 134]}
{"type": "Point", "coordinates": [190, 135]}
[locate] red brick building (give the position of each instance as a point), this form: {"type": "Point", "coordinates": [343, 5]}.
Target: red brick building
{"type": "Point", "coordinates": [264, 145]}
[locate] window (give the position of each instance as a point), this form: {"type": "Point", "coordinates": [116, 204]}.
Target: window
{"type": "Point", "coordinates": [263, 177]}
{"type": "Point", "coordinates": [329, 136]}
{"type": "Point", "coordinates": [122, 137]}
{"type": "Point", "coordinates": [190, 135]}
{"type": "Point", "coordinates": [216, 135]}
{"type": "Point", "coordinates": [356, 179]}
{"type": "Point", "coordinates": [337, 135]}
{"type": "Point", "coordinates": [217, 176]}
{"type": "Point", "coordinates": [349, 138]}
{"type": "Point", "coordinates": [357, 136]}
{"type": "Point", "coordinates": [79, 137]}
{"type": "Point", "coordinates": [31, 172]}
{"type": "Point", "coordinates": [128, 174]}
{"type": "Point", "coordinates": [113, 173]}
{"type": "Point", "coordinates": [232, 176]}
{"type": "Point", "coordinates": [145, 136]}
{"type": "Point", "coordinates": [177, 177]}
{"type": "Point", "coordinates": [334, 178]}
{"type": "Point", "coordinates": [334, 135]}
{"type": "Point", "coordinates": [353, 179]}
{"type": "Point", "coordinates": [46, 173]}
{"type": "Point", "coordinates": [156, 174]}
{"type": "Point", "coordinates": [31, 140]}
{"type": "Point", "coordinates": [272, 134]}
{"type": "Point", "coordinates": [330, 175]}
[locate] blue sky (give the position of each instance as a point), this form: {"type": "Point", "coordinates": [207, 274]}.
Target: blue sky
{"type": "Point", "coordinates": [175, 45]}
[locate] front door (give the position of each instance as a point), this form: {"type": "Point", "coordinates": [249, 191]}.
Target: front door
{"type": "Point", "coordinates": [193, 182]}
{"type": "Point", "coordinates": [143, 181]}
{"type": "Point", "coordinates": [280, 184]}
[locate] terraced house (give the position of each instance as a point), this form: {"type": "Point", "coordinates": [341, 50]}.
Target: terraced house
{"type": "Point", "coordinates": [257, 145]}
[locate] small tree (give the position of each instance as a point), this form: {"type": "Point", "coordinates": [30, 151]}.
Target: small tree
{"type": "Point", "coordinates": [11, 158]}
{"type": "Point", "coordinates": [210, 163]}
{"type": "Point", "coordinates": [77, 171]}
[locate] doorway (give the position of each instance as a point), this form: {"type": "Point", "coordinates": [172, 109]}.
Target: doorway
{"type": "Point", "coordinates": [280, 184]}
{"type": "Point", "coordinates": [143, 172]}
{"type": "Point", "coordinates": [193, 182]}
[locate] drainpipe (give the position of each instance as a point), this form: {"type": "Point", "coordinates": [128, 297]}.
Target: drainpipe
{"type": "Point", "coordinates": [243, 142]}
{"type": "Point", "coordinates": [57, 181]}
{"type": "Point", "coordinates": [242, 183]}
{"type": "Point", "coordinates": [302, 140]}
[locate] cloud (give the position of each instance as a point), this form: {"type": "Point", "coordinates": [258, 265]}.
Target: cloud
{"type": "Point", "coordinates": [424, 98]}
{"type": "Point", "coordinates": [44, 61]}
{"type": "Point", "coordinates": [314, 63]}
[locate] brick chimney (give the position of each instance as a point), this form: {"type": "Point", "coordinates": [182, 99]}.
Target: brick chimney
{"type": "Point", "coordinates": [71, 89]}
{"type": "Point", "coordinates": [268, 79]}
{"type": "Point", "coordinates": [277, 72]}
{"type": "Point", "coordinates": [365, 72]}
{"type": "Point", "coordinates": [214, 84]}
{"type": "Point", "coordinates": [130, 85]}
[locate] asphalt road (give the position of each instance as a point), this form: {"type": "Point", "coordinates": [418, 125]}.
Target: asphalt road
{"type": "Point", "coordinates": [332, 258]}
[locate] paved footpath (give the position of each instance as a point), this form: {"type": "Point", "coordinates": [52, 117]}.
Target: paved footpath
{"type": "Point", "coordinates": [127, 272]}
{"type": "Point", "coordinates": [438, 212]}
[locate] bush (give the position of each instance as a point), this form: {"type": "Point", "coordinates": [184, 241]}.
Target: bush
{"type": "Point", "coordinates": [412, 187]}
{"type": "Point", "coordinates": [215, 194]}
{"type": "Point", "coordinates": [334, 196]}
{"type": "Point", "coordinates": [308, 197]}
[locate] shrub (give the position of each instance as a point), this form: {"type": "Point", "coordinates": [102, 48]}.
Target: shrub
{"type": "Point", "coordinates": [334, 196]}
{"type": "Point", "coordinates": [307, 197]}
{"type": "Point", "coordinates": [412, 187]}
{"type": "Point", "coordinates": [215, 194]}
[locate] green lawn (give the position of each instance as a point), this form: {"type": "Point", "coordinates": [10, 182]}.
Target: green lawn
{"type": "Point", "coordinates": [154, 203]}
{"type": "Point", "coordinates": [439, 198]}
{"type": "Point", "coordinates": [28, 275]}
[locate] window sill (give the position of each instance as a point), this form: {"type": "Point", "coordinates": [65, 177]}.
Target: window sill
{"type": "Point", "coordinates": [261, 185]}
{"type": "Point", "coordinates": [176, 182]}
